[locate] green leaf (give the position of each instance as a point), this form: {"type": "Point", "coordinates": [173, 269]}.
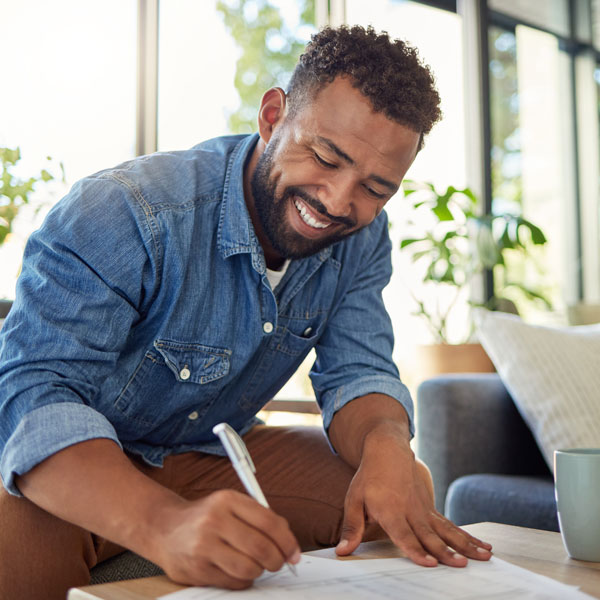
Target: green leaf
{"type": "Point", "coordinates": [442, 212]}
{"type": "Point", "coordinates": [531, 294]}
{"type": "Point", "coordinates": [469, 194]}
{"type": "Point", "coordinates": [537, 235]}
{"type": "Point", "coordinates": [506, 241]}
{"type": "Point", "coordinates": [449, 235]}
{"type": "Point", "coordinates": [408, 241]}
{"type": "Point", "coordinates": [417, 255]}
{"type": "Point", "coordinates": [488, 252]}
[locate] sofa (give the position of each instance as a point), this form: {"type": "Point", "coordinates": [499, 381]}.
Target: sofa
{"type": "Point", "coordinates": [485, 463]}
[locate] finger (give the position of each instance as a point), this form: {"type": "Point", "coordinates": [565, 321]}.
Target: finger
{"type": "Point", "coordinates": [462, 541]}
{"type": "Point", "coordinates": [270, 524]}
{"type": "Point", "coordinates": [353, 525]}
{"type": "Point", "coordinates": [203, 572]}
{"type": "Point", "coordinates": [403, 536]}
{"type": "Point", "coordinates": [213, 575]}
{"type": "Point", "coordinates": [234, 563]}
{"type": "Point", "coordinates": [253, 543]}
{"type": "Point", "coordinates": [477, 541]}
{"type": "Point", "coordinates": [437, 546]}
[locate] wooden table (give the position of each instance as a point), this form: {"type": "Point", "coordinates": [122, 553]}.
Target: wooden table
{"type": "Point", "coordinates": [538, 551]}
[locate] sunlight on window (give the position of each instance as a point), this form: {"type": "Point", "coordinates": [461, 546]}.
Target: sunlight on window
{"type": "Point", "coordinates": [529, 173]}
{"type": "Point", "coordinates": [196, 66]}
{"type": "Point", "coordinates": [69, 92]}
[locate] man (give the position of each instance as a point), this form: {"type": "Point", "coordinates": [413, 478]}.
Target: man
{"type": "Point", "coordinates": [180, 290]}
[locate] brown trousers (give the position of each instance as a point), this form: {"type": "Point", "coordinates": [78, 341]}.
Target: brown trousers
{"type": "Point", "coordinates": [42, 556]}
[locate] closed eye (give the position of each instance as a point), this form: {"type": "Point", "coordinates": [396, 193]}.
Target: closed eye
{"type": "Point", "coordinates": [374, 193]}
{"type": "Point", "coordinates": [324, 163]}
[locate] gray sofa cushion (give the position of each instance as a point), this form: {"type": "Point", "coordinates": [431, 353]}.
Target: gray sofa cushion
{"type": "Point", "coordinates": [467, 423]}
{"type": "Point", "coordinates": [527, 501]}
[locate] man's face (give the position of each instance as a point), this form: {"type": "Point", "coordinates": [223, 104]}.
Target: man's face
{"type": "Point", "coordinates": [328, 172]}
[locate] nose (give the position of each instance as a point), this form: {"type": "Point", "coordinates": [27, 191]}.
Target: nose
{"type": "Point", "coordinates": [336, 195]}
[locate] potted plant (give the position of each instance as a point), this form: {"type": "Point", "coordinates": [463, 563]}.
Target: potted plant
{"type": "Point", "coordinates": [16, 192]}
{"type": "Point", "coordinates": [456, 246]}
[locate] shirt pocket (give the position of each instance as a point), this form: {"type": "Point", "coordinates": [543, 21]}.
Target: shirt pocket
{"type": "Point", "coordinates": [173, 377]}
{"type": "Point", "coordinates": [194, 363]}
{"type": "Point", "coordinates": [296, 343]}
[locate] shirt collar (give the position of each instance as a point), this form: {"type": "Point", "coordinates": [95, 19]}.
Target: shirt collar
{"type": "Point", "coordinates": [236, 232]}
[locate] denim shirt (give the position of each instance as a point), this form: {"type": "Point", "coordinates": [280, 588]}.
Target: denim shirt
{"type": "Point", "coordinates": [144, 315]}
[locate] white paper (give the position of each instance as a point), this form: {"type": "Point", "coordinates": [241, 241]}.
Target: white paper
{"type": "Point", "coordinates": [394, 578]}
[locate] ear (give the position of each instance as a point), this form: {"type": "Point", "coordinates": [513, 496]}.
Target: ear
{"type": "Point", "coordinates": [272, 112]}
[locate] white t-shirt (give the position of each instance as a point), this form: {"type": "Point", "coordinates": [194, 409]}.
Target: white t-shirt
{"type": "Point", "coordinates": [275, 277]}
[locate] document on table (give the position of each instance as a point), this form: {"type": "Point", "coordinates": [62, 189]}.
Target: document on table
{"type": "Point", "coordinates": [393, 578]}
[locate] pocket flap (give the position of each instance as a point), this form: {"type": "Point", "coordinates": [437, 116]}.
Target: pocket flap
{"type": "Point", "coordinates": [194, 363]}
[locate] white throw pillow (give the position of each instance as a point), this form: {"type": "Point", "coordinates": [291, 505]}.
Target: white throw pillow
{"type": "Point", "coordinates": [552, 374]}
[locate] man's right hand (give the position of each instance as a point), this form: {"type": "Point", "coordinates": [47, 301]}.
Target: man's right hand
{"type": "Point", "coordinates": [226, 539]}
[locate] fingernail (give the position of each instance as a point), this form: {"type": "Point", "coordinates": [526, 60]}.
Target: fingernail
{"type": "Point", "coordinates": [342, 545]}
{"type": "Point", "coordinates": [430, 558]}
{"type": "Point", "coordinates": [483, 551]}
{"type": "Point", "coordinates": [456, 556]}
{"type": "Point", "coordinates": [295, 558]}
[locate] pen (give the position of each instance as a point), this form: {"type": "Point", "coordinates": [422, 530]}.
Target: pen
{"type": "Point", "coordinates": [242, 463]}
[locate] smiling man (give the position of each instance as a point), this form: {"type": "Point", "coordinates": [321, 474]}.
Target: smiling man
{"type": "Point", "coordinates": [183, 289]}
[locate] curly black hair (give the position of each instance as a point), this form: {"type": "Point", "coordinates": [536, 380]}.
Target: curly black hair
{"type": "Point", "coordinates": [387, 72]}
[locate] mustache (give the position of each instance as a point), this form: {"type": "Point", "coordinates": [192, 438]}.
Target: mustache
{"type": "Point", "coordinates": [318, 206]}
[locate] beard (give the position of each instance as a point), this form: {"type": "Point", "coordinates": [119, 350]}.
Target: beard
{"type": "Point", "coordinates": [272, 210]}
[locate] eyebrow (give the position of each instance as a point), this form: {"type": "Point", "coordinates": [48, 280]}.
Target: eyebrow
{"type": "Point", "coordinates": [327, 142]}
{"type": "Point", "coordinates": [390, 185]}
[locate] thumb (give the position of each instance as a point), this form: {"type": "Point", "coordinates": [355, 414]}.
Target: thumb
{"type": "Point", "coordinates": [353, 526]}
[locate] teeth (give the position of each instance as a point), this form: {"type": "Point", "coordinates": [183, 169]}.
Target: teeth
{"type": "Point", "coordinates": [307, 217]}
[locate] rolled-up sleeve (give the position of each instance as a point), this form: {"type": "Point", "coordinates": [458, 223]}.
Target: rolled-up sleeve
{"type": "Point", "coordinates": [87, 274]}
{"type": "Point", "coordinates": [354, 354]}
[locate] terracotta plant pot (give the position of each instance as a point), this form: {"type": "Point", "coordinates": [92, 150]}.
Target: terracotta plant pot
{"type": "Point", "coordinates": [438, 359]}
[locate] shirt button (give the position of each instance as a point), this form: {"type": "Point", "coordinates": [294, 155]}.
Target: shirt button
{"type": "Point", "coordinates": [307, 331]}
{"type": "Point", "coordinates": [193, 416]}
{"type": "Point", "coordinates": [184, 374]}
{"type": "Point", "coordinates": [268, 327]}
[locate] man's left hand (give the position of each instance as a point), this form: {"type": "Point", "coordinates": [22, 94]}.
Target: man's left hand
{"type": "Point", "coordinates": [393, 489]}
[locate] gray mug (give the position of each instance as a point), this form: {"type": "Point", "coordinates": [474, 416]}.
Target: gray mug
{"type": "Point", "coordinates": [577, 486]}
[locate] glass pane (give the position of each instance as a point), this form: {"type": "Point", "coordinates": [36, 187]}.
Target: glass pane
{"type": "Point", "coordinates": [532, 161]}
{"type": "Point", "coordinates": [211, 84]}
{"type": "Point", "coordinates": [596, 23]}
{"type": "Point", "coordinates": [584, 26]}
{"type": "Point", "coordinates": [195, 74]}
{"type": "Point", "coordinates": [552, 15]}
{"type": "Point", "coordinates": [68, 92]}
{"type": "Point", "coordinates": [441, 162]}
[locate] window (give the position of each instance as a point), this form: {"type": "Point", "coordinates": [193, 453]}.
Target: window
{"type": "Point", "coordinates": [69, 92]}
{"type": "Point", "coordinates": [195, 74]}
{"type": "Point", "coordinates": [212, 83]}
{"type": "Point", "coordinates": [532, 159]}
